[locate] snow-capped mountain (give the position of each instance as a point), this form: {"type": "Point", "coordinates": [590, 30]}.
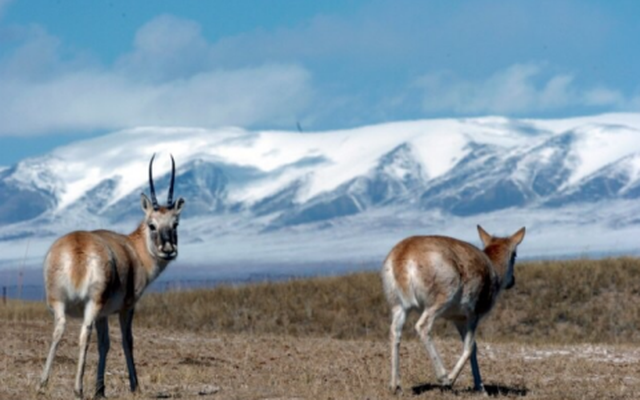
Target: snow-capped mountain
{"type": "Point", "coordinates": [269, 196]}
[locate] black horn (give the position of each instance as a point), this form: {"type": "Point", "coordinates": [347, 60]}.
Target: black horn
{"type": "Point", "coordinates": [173, 178]}
{"type": "Point", "coordinates": [152, 189]}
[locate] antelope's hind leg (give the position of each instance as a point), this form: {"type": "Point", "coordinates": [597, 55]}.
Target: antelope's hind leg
{"type": "Point", "coordinates": [59, 324]}
{"type": "Point", "coordinates": [423, 327]}
{"type": "Point", "coordinates": [398, 316]}
{"type": "Point", "coordinates": [90, 312]}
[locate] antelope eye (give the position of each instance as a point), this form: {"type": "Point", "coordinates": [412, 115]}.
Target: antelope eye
{"type": "Point", "coordinates": [152, 227]}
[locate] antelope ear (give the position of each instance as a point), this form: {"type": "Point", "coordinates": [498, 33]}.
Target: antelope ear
{"type": "Point", "coordinates": [484, 236]}
{"type": "Point", "coordinates": [145, 203]}
{"type": "Point", "coordinates": [518, 236]}
{"type": "Point", "coordinates": [179, 205]}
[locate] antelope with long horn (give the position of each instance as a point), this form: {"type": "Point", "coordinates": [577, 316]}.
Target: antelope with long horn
{"type": "Point", "coordinates": [445, 277]}
{"type": "Point", "coordinates": [91, 275]}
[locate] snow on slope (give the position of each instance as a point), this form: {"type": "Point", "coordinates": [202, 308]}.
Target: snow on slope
{"type": "Point", "coordinates": [440, 144]}
{"type": "Point", "coordinates": [126, 154]}
{"type": "Point", "coordinates": [443, 173]}
{"type": "Point", "coordinates": [597, 146]}
{"type": "Point", "coordinates": [347, 154]}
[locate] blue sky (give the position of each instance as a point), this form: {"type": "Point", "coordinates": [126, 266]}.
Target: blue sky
{"type": "Point", "coordinates": [73, 69]}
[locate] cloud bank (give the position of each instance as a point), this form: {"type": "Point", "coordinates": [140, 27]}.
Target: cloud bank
{"type": "Point", "coordinates": [383, 61]}
{"type": "Point", "coordinates": [167, 79]}
{"type": "Point", "coordinates": [518, 89]}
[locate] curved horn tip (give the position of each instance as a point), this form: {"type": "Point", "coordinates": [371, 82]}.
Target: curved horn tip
{"type": "Point", "coordinates": [171, 183]}
{"type": "Point", "coordinates": [152, 189]}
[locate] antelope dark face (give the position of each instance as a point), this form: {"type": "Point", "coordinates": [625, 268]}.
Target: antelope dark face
{"type": "Point", "coordinates": [505, 250]}
{"type": "Point", "coordinates": [512, 263]}
{"type": "Point", "coordinates": [162, 221]}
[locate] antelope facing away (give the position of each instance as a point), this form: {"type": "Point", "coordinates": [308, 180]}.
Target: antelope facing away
{"type": "Point", "coordinates": [90, 275]}
{"type": "Point", "coordinates": [445, 277]}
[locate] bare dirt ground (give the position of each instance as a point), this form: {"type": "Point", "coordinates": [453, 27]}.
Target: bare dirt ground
{"type": "Point", "coordinates": [179, 364]}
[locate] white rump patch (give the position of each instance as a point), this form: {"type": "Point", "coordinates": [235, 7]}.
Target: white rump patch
{"type": "Point", "coordinates": [410, 300]}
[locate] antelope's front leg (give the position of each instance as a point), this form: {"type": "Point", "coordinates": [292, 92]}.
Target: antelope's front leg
{"type": "Point", "coordinates": [468, 347]}
{"type": "Point", "coordinates": [102, 327]}
{"type": "Point", "coordinates": [126, 326]}
{"type": "Point", "coordinates": [475, 369]}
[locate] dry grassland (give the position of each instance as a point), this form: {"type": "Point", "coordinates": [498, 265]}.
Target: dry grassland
{"type": "Point", "coordinates": [568, 330]}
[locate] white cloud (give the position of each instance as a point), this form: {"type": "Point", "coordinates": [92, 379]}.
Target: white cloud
{"type": "Point", "coordinates": [167, 47]}
{"type": "Point", "coordinates": [604, 96]}
{"type": "Point", "coordinates": [37, 56]}
{"type": "Point", "coordinates": [165, 80]}
{"type": "Point", "coordinates": [520, 88]}
{"type": "Point", "coordinates": [104, 100]}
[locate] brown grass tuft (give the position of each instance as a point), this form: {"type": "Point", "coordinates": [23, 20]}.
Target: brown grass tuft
{"type": "Point", "coordinates": [573, 301]}
{"type": "Point", "coordinates": [22, 311]}
{"type": "Point", "coordinates": [553, 301]}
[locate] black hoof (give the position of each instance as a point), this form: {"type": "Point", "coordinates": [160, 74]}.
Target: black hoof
{"type": "Point", "coordinates": [99, 394]}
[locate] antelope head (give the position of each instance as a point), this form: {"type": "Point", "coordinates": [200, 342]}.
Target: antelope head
{"type": "Point", "coordinates": [502, 252]}
{"type": "Point", "coordinates": [161, 222]}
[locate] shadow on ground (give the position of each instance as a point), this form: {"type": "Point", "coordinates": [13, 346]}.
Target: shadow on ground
{"type": "Point", "coordinates": [492, 390]}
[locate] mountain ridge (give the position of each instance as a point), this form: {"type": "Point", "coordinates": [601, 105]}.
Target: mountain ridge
{"type": "Point", "coordinates": [241, 183]}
